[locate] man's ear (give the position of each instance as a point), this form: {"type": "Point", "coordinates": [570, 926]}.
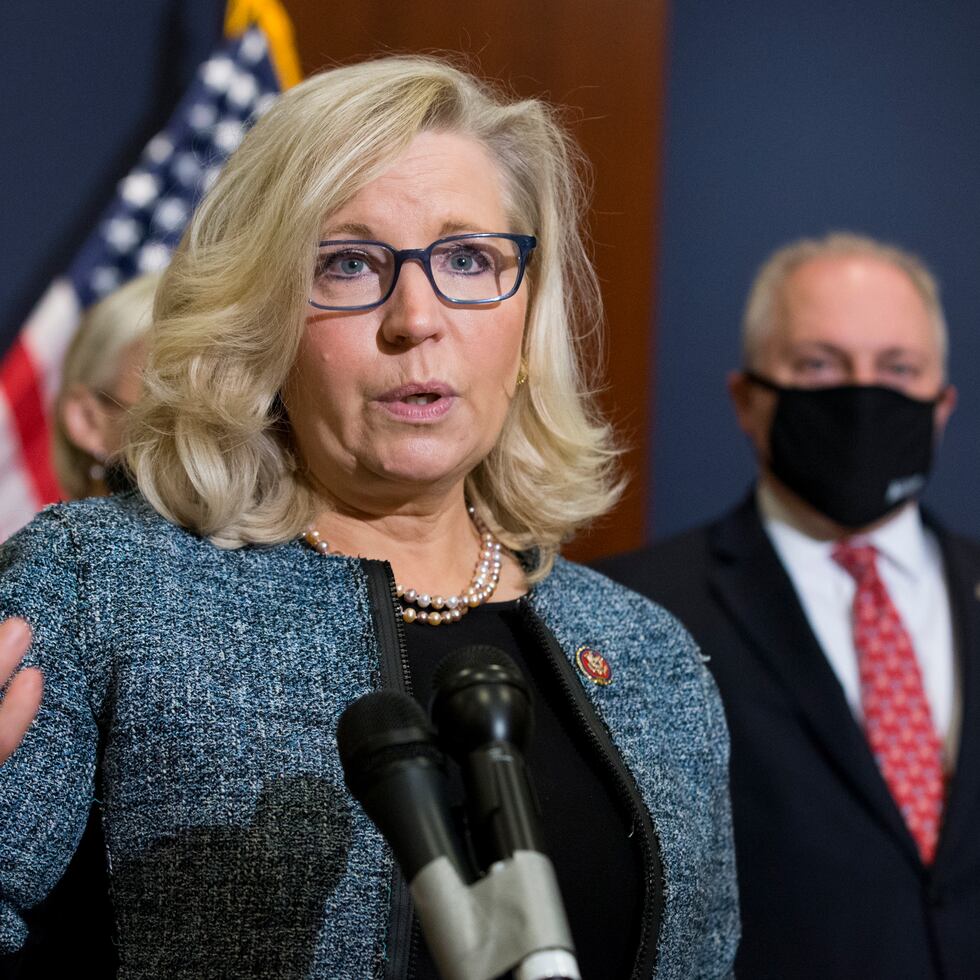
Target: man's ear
{"type": "Point", "coordinates": [742, 393]}
{"type": "Point", "coordinates": [755, 407]}
{"type": "Point", "coordinates": [85, 419]}
{"type": "Point", "coordinates": [944, 408]}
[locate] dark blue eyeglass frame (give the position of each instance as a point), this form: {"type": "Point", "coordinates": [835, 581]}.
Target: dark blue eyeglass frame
{"type": "Point", "coordinates": [525, 243]}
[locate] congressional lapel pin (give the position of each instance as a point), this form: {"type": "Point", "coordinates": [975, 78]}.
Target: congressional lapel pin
{"type": "Point", "coordinates": [594, 665]}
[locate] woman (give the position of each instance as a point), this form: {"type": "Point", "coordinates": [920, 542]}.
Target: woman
{"type": "Point", "coordinates": [103, 375]}
{"type": "Point", "coordinates": [364, 391]}
{"type": "Point", "coordinates": [101, 380]}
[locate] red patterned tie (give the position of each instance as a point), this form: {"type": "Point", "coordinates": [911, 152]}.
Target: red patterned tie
{"type": "Point", "coordinates": [897, 720]}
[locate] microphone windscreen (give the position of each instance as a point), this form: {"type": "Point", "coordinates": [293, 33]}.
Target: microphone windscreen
{"type": "Point", "coordinates": [479, 696]}
{"type": "Point", "coordinates": [476, 665]}
{"type": "Point", "coordinates": [381, 728]}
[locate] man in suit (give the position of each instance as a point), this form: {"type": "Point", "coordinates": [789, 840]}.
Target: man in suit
{"type": "Point", "coordinates": [843, 628]}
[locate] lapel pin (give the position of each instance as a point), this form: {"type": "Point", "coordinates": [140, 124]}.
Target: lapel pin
{"type": "Point", "coordinates": [594, 665]}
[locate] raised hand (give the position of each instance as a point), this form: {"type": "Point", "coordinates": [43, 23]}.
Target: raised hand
{"type": "Point", "coordinates": [23, 696]}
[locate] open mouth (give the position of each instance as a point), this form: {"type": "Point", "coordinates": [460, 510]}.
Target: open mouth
{"type": "Point", "coordinates": [425, 401]}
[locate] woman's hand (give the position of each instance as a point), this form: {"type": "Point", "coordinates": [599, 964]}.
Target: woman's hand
{"type": "Point", "coordinates": [23, 697]}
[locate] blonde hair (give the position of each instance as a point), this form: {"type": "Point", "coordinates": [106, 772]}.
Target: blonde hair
{"type": "Point", "coordinates": [765, 294]}
{"type": "Point", "coordinates": [107, 330]}
{"type": "Point", "coordinates": [210, 446]}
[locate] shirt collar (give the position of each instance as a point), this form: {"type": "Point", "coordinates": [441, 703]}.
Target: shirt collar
{"type": "Point", "coordinates": [901, 540]}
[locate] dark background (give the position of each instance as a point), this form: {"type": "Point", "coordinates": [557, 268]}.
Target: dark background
{"type": "Point", "coordinates": [795, 118]}
{"type": "Point", "coordinates": [717, 131]}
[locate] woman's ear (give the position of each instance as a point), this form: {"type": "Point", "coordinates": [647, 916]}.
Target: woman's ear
{"type": "Point", "coordinates": [87, 421]}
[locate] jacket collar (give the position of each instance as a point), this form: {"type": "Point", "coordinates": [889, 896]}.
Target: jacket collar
{"type": "Point", "coordinates": [962, 566]}
{"type": "Point", "coordinates": [749, 580]}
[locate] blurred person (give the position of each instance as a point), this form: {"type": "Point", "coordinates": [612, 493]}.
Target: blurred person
{"type": "Point", "coordinates": [841, 624]}
{"type": "Point", "coordinates": [101, 380]}
{"type": "Point", "coordinates": [364, 391]}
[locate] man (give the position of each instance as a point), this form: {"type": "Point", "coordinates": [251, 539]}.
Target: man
{"type": "Point", "coordinates": [843, 629]}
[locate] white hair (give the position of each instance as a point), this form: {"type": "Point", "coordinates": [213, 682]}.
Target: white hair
{"type": "Point", "coordinates": [766, 293]}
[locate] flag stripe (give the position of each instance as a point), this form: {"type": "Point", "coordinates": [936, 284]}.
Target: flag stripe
{"type": "Point", "coordinates": [15, 492]}
{"type": "Point", "coordinates": [136, 233]}
{"type": "Point", "coordinates": [21, 387]}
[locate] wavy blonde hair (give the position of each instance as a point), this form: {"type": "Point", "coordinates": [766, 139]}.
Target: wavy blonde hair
{"type": "Point", "coordinates": [210, 444]}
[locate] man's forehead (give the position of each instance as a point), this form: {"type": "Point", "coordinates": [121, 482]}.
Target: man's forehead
{"type": "Point", "coordinates": [853, 301]}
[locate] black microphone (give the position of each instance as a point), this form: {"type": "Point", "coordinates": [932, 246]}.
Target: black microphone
{"type": "Point", "coordinates": [476, 930]}
{"type": "Point", "coordinates": [482, 709]}
{"type": "Point", "coordinates": [397, 772]}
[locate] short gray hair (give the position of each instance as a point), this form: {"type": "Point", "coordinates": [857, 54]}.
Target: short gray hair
{"type": "Point", "coordinates": [761, 308]}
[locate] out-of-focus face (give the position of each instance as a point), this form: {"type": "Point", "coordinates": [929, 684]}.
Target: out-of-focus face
{"type": "Point", "coordinates": [845, 320]}
{"type": "Point", "coordinates": [407, 398]}
{"type": "Point", "coordinates": [95, 419]}
{"type": "Point", "coordinates": [124, 394]}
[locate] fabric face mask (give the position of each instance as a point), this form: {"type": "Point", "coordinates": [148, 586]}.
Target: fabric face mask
{"type": "Point", "coordinates": [854, 452]}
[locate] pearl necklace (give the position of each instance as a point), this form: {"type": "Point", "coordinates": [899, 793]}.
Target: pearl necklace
{"type": "Point", "coordinates": [436, 610]}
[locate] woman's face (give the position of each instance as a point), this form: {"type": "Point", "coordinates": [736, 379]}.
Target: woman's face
{"type": "Point", "coordinates": [407, 398]}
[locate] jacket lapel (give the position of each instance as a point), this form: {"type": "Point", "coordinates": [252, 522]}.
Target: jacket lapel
{"type": "Point", "coordinates": [962, 567]}
{"type": "Point", "coordinates": [749, 580]}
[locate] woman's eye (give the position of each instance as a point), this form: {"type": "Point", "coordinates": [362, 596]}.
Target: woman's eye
{"type": "Point", "coordinates": [342, 265]}
{"type": "Point", "coordinates": [350, 267]}
{"type": "Point", "coordinates": [468, 261]}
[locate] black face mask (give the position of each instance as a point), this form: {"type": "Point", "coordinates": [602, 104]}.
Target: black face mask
{"type": "Point", "coordinates": [854, 452]}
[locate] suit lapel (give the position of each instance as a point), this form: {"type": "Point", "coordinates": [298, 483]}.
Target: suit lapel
{"type": "Point", "coordinates": [749, 580]}
{"type": "Point", "coordinates": [962, 568]}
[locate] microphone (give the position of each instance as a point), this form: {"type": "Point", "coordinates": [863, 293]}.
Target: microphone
{"type": "Point", "coordinates": [483, 712]}
{"type": "Point", "coordinates": [397, 772]}
{"type": "Point", "coordinates": [482, 709]}
{"type": "Point", "coordinates": [475, 930]}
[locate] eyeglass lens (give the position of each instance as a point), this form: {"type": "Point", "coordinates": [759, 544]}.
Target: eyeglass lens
{"type": "Point", "coordinates": [464, 270]}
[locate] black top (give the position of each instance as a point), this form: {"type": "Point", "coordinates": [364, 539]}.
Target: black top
{"type": "Point", "coordinates": [587, 832]}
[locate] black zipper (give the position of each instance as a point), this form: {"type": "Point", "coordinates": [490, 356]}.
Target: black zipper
{"type": "Point", "coordinates": [626, 788]}
{"type": "Point", "coordinates": [387, 626]}
{"type": "Point", "coordinates": [402, 932]}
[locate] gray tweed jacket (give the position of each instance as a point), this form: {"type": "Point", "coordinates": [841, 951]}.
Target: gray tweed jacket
{"type": "Point", "coordinates": [196, 691]}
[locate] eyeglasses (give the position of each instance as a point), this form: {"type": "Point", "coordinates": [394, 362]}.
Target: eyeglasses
{"type": "Point", "coordinates": [112, 402]}
{"type": "Point", "coordinates": [468, 270]}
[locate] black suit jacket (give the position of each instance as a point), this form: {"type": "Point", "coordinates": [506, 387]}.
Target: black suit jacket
{"type": "Point", "coordinates": [830, 880]}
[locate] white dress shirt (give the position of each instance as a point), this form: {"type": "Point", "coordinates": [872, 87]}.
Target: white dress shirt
{"type": "Point", "coordinates": [911, 567]}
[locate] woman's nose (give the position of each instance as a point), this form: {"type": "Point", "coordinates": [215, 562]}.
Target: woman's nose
{"type": "Point", "coordinates": [413, 312]}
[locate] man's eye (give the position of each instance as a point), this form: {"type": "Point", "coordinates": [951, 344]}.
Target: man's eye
{"type": "Point", "coordinates": [903, 370]}
{"type": "Point", "coordinates": [812, 364]}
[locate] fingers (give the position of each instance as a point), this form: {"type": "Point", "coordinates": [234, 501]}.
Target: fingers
{"type": "Point", "coordinates": [23, 697]}
{"type": "Point", "coordinates": [15, 638]}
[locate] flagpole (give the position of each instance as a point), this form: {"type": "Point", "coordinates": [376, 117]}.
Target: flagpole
{"type": "Point", "coordinates": [271, 18]}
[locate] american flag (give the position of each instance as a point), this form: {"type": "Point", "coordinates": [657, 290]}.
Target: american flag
{"type": "Point", "coordinates": [136, 233]}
